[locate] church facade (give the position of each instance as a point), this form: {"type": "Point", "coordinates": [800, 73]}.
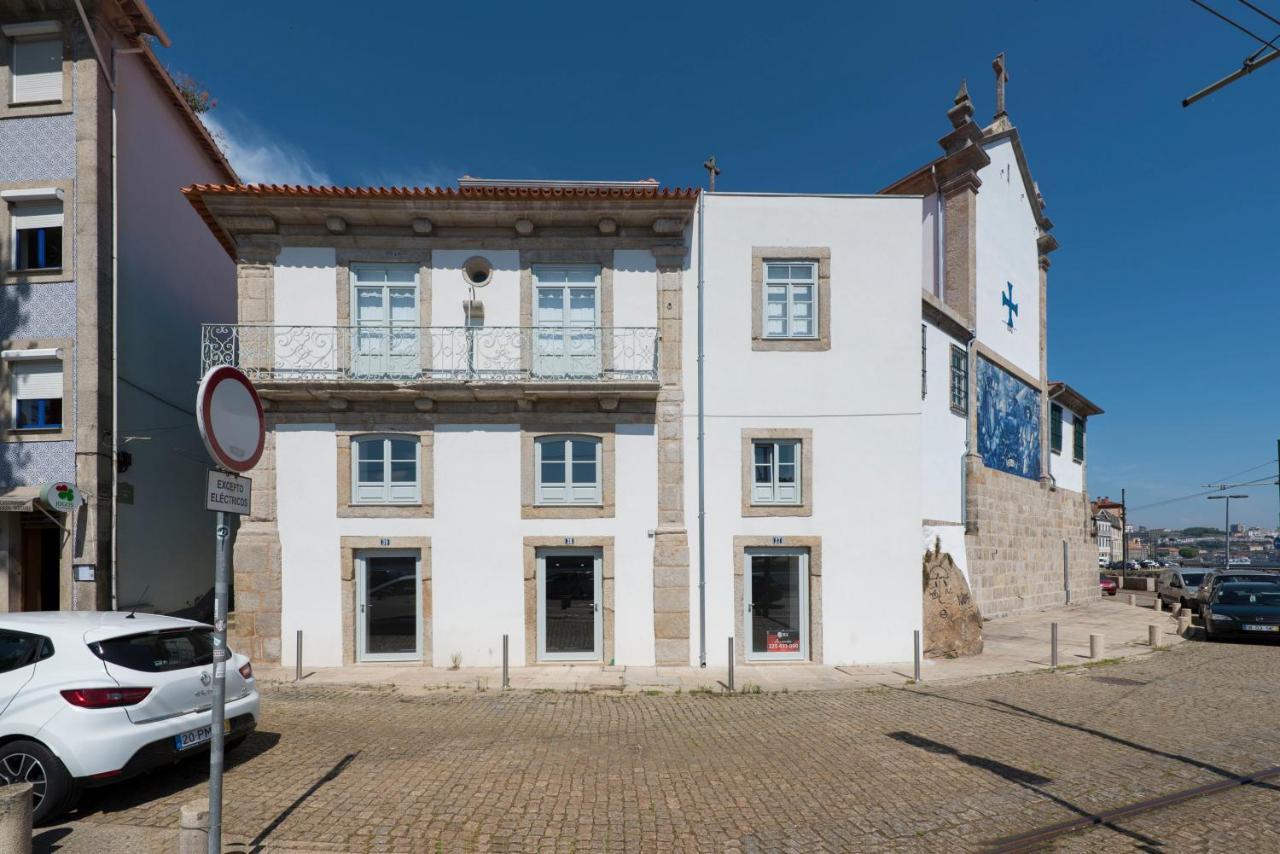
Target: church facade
{"type": "Point", "coordinates": [618, 423]}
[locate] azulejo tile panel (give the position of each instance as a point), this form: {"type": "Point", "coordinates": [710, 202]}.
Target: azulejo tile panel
{"type": "Point", "coordinates": [38, 311]}
{"type": "Point", "coordinates": [38, 147]}
{"type": "Point", "coordinates": [32, 463]}
{"type": "Point", "coordinates": [1008, 422]}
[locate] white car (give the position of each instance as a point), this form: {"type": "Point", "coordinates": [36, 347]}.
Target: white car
{"type": "Point", "coordinates": [93, 697]}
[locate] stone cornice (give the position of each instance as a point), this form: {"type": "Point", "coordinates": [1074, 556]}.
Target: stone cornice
{"type": "Point", "coordinates": [944, 317]}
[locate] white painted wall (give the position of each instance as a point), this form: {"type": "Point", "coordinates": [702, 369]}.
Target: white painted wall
{"type": "Point", "coordinates": [861, 399]}
{"type": "Point", "coordinates": [944, 434]}
{"type": "Point", "coordinates": [310, 584]}
{"type": "Point", "coordinates": [1067, 473]}
{"type": "Point", "coordinates": [449, 290]}
{"type": "Point", "coordinates": [635, 288]}
{"type": "Point", "coordinates": [173, 276]}
{"type": "Point", "coordinates": [1007, 233]}
{"type": "Point", "coordinates": [306, 287]}
{"type": "Point", "coordinates": [476, 537]}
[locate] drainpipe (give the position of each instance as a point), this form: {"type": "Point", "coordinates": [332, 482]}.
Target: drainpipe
{"type": "Point", "coordinates": [702, 457]}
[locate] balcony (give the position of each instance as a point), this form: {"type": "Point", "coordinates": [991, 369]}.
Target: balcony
{"type": "Point", "coordinates": [296, 361]}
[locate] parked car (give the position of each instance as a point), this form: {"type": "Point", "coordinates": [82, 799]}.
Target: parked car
{"type": "Point", "coordinates": [89, 698]}
{"type": "Point", "coordinates": [1217, 577]}
{"type": "Point", "coordinates": [1243, 608]}
{"type": "Point", "coordinates": [1107, 585]}
{"type": "Point", "coordinates": [1179, 586]}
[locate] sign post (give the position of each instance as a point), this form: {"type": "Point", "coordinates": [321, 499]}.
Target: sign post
{"type": "Point", "coordinates": [229, 414]}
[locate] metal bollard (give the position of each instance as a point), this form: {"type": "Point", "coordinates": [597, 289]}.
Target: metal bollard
{"type": "Point", "coordinates": [916, 640]}
{"type": "Point", "coordinates": [730, 665]}
{"type": "Point", "coordinates": [297, 673]}
{"type": "Point", "coordinates": [15, 818]}
{"type": "Point", "coordinates": [506, 674]}
{"type": "Point", "coordinates": [1053, 645]}
{"type": "Point", "coordinates": [1153, 636]}
{"type": "Point", "coordinates": [1131, 599]}
{"type": "Point", "coordinates": [1097, 646]}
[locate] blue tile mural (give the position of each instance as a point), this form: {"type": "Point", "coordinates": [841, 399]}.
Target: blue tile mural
{"type": "Point", "coordinates": [1008, 422]}
{"type": "Point", "coordinates": [34, 463]}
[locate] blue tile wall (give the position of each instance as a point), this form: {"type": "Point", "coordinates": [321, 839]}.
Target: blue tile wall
{"type": "Point", "coordinates": [1008, 422]}
{"type": "Point", "coordinates": [34, 463]}
{"type": "Point", "coordinates": [37, 148]}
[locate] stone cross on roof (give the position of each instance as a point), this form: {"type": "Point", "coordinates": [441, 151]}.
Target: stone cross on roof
{"type": "Point", "coordinates": [1002, 77]}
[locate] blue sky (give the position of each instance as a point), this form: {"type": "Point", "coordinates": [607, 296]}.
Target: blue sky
{"type": "Point", "coordinates": [1162, 299]}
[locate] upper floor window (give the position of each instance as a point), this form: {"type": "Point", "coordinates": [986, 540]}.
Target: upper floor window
{"type": "Point", "coordinates": [385, 311]}
{"type": "Point", "coordinates": [385, 470]}
{"type": "Point", "coordinates": [959, 380]}
{"type": "Point", "coordinates": [35, 51]}
{"type": "Point", "coordinates": [775, 471]}
{"type": "Point", "coordinates": [568, 470]}
{"type": "Point", "coordinates": [36, 225]}
{"type": "Point", "coordinates": [791, 304]}
{"type": "Point", "coordinates": [1077, 438]}
{"type": "Point", "coordinates": [36, 391]}
{"type": "Point", "coordinates": [1055, 428]}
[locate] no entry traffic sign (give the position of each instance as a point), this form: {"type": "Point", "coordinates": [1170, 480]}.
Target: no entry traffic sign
{"type": "Point", "coordinates": [229, 414]}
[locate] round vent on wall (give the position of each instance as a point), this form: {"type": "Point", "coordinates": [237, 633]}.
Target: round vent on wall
{"type": "Point", "coordinates": [477, 271]}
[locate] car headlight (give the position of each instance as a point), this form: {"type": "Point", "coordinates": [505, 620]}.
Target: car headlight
{"type": "Point", "coordinates": [1221, 617]}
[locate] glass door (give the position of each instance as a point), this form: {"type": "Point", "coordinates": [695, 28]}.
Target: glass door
{"type": "Point", "coordinates": [569, 593]}
{"type": "Point", "coordinates": [777, 604]}
{"type": "Point", "coordinates": [389, 606]}
{"type": "Point", "coordinates": [566, 342]}
{"type": "Point", "coordinates": [384, 307]}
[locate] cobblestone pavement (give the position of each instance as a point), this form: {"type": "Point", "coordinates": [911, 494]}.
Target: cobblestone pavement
{"type": "Point", "coordinates": [936, 769]}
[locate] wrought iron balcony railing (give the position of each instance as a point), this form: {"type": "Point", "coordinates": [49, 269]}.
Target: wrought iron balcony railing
{"type": "Point", "coordinates": [494, 354]}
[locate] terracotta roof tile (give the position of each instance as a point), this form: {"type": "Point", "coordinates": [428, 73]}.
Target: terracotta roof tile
{"type": "Point", "coordinates": [196, 193]}
{"type": "Point", "coordinates": [487, 192]}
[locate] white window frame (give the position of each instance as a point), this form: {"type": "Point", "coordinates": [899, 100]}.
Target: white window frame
{"type": "Point", "coordinates": [18, 221]}
{"type": "Point", "coordinates": [790, 283]}
{"type": "Point", "coordinates": [28, 33]}
{"type": "Point", "coordinates": [774, 485]}
{"type": "Point", "coordinates": [569, 487]}
{"type": "Point", "coordinates": [386, 484]}
{"type": "Point", "coordinates": [386, 363]}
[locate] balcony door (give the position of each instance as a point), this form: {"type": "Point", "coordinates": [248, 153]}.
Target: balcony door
{"type": "Point", "coordinates": [566, 342]}
{"type": "Point", "coordinates": [384, 310]}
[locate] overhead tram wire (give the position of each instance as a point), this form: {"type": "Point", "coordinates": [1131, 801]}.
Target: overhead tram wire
{"type": "Point", "coordinates": [1237, 474]}
{"type": "Point", "coordinates": [1251, 63]}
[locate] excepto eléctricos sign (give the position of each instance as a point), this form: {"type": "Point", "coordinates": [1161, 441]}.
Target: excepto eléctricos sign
{"type": "Point", "coordinates": [229, 414]}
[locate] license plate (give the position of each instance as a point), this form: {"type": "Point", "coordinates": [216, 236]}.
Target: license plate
{"type": "Point", "coordinates": [1249, 627]}
{"type": "Point", "coordinates": [199, 735]}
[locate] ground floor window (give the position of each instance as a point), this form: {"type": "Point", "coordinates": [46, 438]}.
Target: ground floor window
{"type": "Point", "coordinates": [776, 603]}
{"type": "Point", "coordinates": [569, 594]}
{"type": "Point", "coordinates": [388, 605]}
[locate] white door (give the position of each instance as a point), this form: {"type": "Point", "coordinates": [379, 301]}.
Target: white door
{"type": "Point", "coordinates": [567, 314]}
{"type": "Point", "coordinates": [776, 604]}
{"type": "Point", "coordinates": [569, 597]}
{"type": "Point", "coordinates": [384, 306]}
{"type": "Point", "coordinates": [388, 605]}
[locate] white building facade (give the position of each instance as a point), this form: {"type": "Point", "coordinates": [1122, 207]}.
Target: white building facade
{"type": "Point", "coordinates": [621, 424]}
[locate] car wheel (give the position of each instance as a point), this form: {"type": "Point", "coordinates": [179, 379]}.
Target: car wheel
{"type": "Point", "coordinates": [31, 762]}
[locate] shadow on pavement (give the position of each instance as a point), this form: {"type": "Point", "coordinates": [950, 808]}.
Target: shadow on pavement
{"type": "Point", "coordinates": [46, 842]}
{"type": "Point", "coordinates": [1025, 779]}
{"type": "Point", "coordinates": [255, 845]}
{"type": "Point", "coordinates": [167, 780]}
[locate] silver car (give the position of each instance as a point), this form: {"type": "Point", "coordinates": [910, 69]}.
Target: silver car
{"type": "Point", "coordinates": [1180, 586]}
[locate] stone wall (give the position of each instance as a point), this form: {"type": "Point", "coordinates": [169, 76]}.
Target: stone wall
{"type": "Point", "coordinates": [1014, 543]}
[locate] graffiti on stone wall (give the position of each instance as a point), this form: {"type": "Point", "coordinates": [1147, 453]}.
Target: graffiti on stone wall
{"type": "Point", "coordinates": [1008, 422]}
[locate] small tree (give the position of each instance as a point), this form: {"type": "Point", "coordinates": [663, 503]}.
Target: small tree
{"type": "Point", "coordinates": [1186, 552]}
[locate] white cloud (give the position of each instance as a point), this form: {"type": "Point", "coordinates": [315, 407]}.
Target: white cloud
{"type": "Point", "coordinates": [257, 156]}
